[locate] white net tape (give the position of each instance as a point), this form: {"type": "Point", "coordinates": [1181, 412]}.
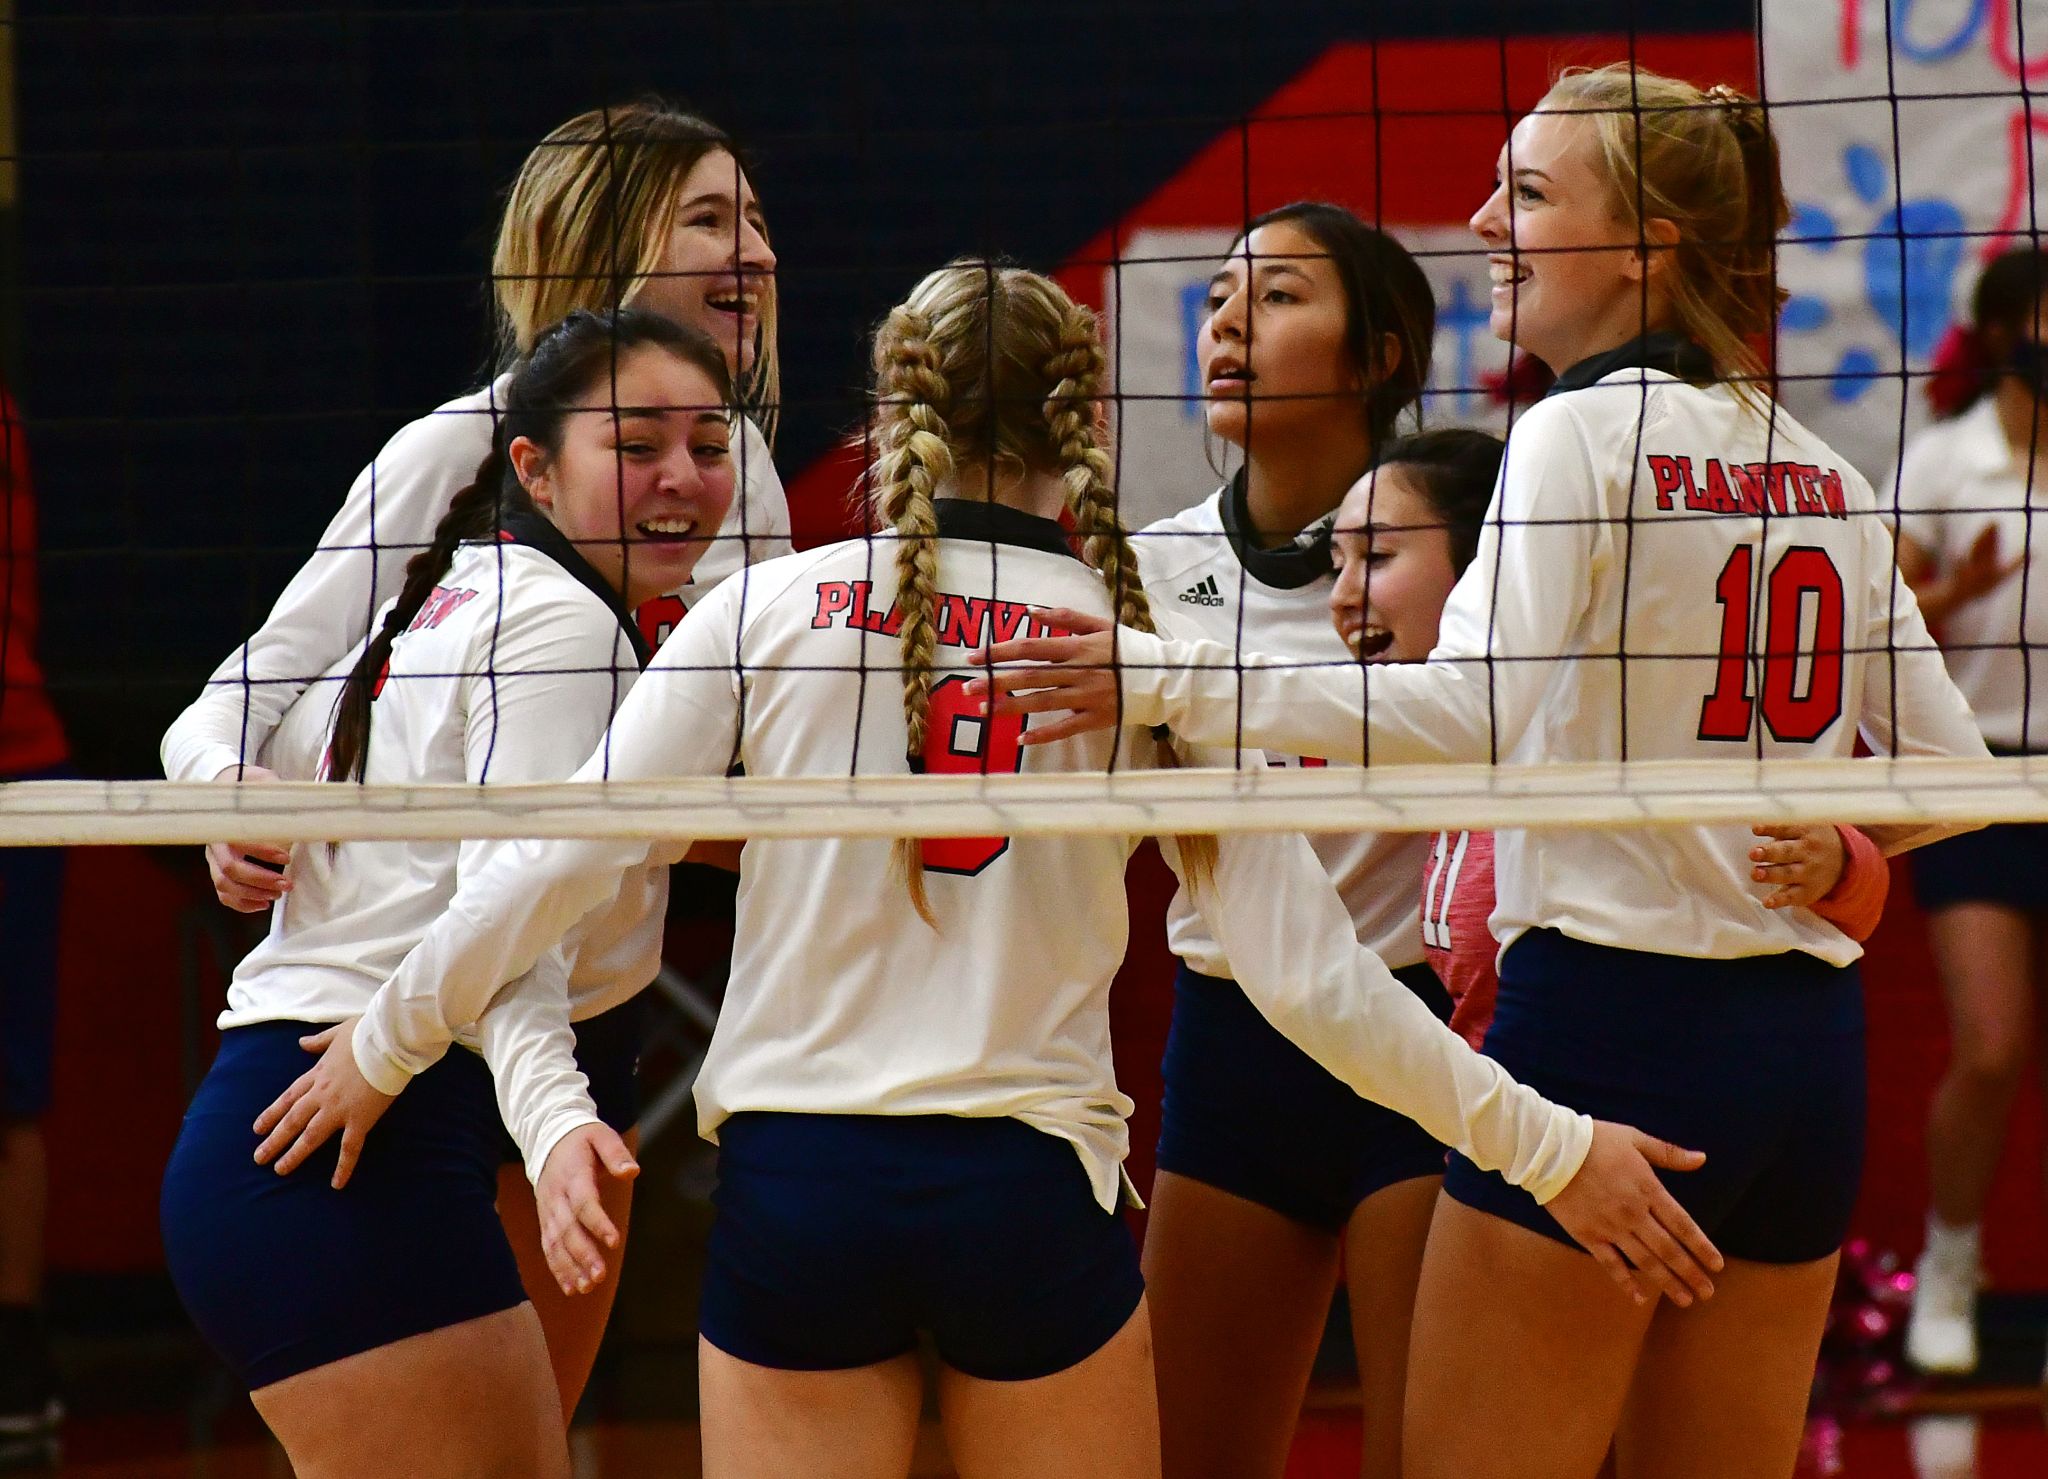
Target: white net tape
{"type": "Point", "coordinates": [1406, 798]}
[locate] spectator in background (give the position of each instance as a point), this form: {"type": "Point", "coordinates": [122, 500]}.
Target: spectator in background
{"type": "Point", "coordinates": [1966, 493]}
{"type": "Point", "coordinates": [31, 882]}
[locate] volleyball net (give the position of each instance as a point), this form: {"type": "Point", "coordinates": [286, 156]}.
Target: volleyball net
{"type": "Point", "coordinates": [1908, 135]}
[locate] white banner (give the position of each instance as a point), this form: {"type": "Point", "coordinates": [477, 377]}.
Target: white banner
{"type": "Point", "coordinates": [1910, 156]}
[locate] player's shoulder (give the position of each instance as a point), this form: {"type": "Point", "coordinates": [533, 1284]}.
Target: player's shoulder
{"type": "Point", "coordinates": [456, 426]}
{"type": "Point", "coordinates": [501, 591]}
{"type": "Point", "coordinates": [758, 592]}
{"type": "Point", "coordinates": [1183, 543]}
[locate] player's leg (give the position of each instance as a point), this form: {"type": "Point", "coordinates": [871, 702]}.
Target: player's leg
{"type": "Point", "coordinates": [1721, 1388]}
{"type": "Point", "coordinates": [573, 1324]}
{"type": "Point", "coordinates": [31, 892]}
{"type": "Point", "coordinates": [1522, 1353]}
{"type": "Point", "coordinates": [765, 1422]}
{"type": "Point", "coordinates": [1383, 1248]}
{"type": "Point", "coordinates": [1985, 954]}
{"type": "Point", "coordinates": [1098, 1417]}
{"type": "Point", "coordinates": [476, 1398]}
{"type": "Point", "coordinates": [1239, 1295]}
{"type": "Point", "coordinates": [391, 1321]}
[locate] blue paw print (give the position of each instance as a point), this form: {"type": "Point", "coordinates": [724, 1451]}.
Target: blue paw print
{"type": "Point", "coordinates": [1914, 302]}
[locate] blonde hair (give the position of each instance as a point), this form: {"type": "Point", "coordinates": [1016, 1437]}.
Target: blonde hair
{"type": "Point", "coordinates": [588, 219]}
{"type": "Point", "coordinates": [987, 363]}
{"type": "Point", "coordinates": [1704, 160]}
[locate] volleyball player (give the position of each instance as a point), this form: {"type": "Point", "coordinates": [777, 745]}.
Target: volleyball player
{"type": "Point", "coordinates": [1647, 507]}
{"type": "Point", "coordinates": [1964, 494]}
{"type": "Point", "coordinates": [641, 204]}
{"type": "Point", "coordinates": [1274, 1177]}
{"type": "Point", "coordinates": [388, 1331]}
{"type": "Point", "coordinates": [911, 1081]}
{"type": "Point", "coordinates": [1404, 535]}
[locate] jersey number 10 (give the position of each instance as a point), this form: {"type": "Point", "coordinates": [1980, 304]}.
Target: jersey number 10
{"type": "Point", "coordinates": [960, 740]}
{"type": "Point", "coordinates": [1803, 573]}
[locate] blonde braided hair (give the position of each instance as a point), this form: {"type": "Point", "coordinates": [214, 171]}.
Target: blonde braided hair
{"type": "Point", "coordinates": [987, 364]}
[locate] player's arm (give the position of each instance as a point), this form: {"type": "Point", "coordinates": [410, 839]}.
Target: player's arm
{"type": "Point", "coordinates": [390, 512]}
{"type": "Point", "coordinates": [1512, 617]}
{"type": "Point", "coordinates": [1911, 707]}
{"type": "Point", "coordinates": [516, 900]}
{"type": "Point", "coordinates": [1291, 946]}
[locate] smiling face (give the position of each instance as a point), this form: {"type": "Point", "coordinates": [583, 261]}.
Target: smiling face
{"type": "Point", "coordinates": [644, 475]}
{"type": "Point", "coordinates": [717, 268]}
{"type": "Point", "coordinates": [1275, 338]}
{"type": "Point", "coordinates": [1394, 570]}
{"type": "Point", "coordinates": [1568, 278]}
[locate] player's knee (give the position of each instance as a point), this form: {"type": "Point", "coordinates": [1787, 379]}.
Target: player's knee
{"type": "Point", "coordinates": [1992, 1059]}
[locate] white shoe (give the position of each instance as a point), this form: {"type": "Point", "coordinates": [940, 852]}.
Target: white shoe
{"type": "Point", "coordinates": [1941, 1332]}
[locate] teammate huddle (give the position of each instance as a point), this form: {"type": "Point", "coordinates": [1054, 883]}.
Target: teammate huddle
{"type": "Point", "coordinates": [910, 1083]}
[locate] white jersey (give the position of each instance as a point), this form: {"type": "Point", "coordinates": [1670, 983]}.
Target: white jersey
{"type": "Point", "coordinates": [1638, 515]}
{"type": "Point", "coordinates": [841, 998]}
{"type": "Point", "coordinates": [1957, 479]}
{"type": "Point", "coordinates": [1201, 564]}
{"type": "Point", "coordinates": [509, 673]}
{"type": "Point", "coordinates": [389, 515]}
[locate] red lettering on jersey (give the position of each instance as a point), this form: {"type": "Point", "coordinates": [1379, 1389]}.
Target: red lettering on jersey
{"type": "Point", "coordinates": [658, 617]}
{"type": "Point", "coordinates": [834, 596]}
{"type": "Point", "coordinates": [862, 616]}
{"type": "Point", "coordinates": [1664, 472]}
{"type": "Point", "coordinates": [962, 619]}
{"type": "Point", "coordinates": [1008, 618]}
{"type": "Point", "coordinates": [1831, 493]}
{"type": "Point", "coordinates": [1040, 627]}
{"type": "Point", "coordinates": [441, 604]}
{"type": "Point", "coordinates": [1747, 480]}
{"type": "Point", "coordinates": [1718, 497]}
{"type": "Point", "coordinates": [1695, 497]}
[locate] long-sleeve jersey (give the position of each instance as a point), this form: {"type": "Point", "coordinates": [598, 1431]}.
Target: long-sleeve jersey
{"type": "Point", "coordinates": [1665, 573]}
{"type": "Point", "coordinates": [389, 514]}
{"type": "Point", "coordinates": [1204, 565]}
{"type": "Point", "coordinates": [509, 673]}
{"type": "Point", "coordinates": [841, 998]}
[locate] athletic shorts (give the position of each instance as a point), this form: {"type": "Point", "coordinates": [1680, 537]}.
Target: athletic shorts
{"type": "Point", "coordinates": [608, 1051]}
{"type": "Point", "coordinates": [2003, 864]}
{"type": "Point", "coordinates": [1758, 1062]}
{"type": "Point", "coordinates": [840, 1237]}
{"type": "Point", "coordinates": [283, 1273]}
{"type": "Point", "coordinates": [31, 899]}
{"type": "Point", "coordinates": [1248, 1112]}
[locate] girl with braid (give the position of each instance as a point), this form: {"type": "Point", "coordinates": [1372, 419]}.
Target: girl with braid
{"type": "Point", "coordinates": [390, 1333]}
{"type": "Point", "coordinates": [910, 1084]}
{"type": "Point", "coordinates": [640, 204]}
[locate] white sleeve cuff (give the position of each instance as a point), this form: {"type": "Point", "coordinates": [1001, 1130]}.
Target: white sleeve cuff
{"type": "Point", "coordinates": [379, 1064]}
{"type": "Point", "coordinates": [1558, 1170]}
{"type": "Point", "coordinates": [553, 1131]}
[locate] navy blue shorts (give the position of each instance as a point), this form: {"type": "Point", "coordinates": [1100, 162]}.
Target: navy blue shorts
{"type": "Point", "coordinates": [31, 896]}
{"type": "Point", "coordinates": [608, 1051]}
{"type": "Point", "coordinates": [1248, 1112]}
{"type": "Point", "coordinates": [2002, 864]}
{"type": "Point", "coordinates": [839, 1237]}
{"type": "Point", "coordinates": [1758, 1062]}
{"type": "Point", "coordinates": [283, 1273]}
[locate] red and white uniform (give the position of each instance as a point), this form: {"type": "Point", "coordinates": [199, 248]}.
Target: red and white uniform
{"type": "Point", "coordinates": [31, 739]}
{"type": "Point", "coordinates": [389, 515]}
{"type": "Point", "coordinates": [841, 998]}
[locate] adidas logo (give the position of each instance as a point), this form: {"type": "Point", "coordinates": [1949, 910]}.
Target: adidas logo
{"type": "Point", "coordinates": [1203, 593]}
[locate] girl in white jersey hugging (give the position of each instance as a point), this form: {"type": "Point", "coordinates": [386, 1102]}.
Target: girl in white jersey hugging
{"type": "Point", "coordinates": [911, 1082]}
{"type": "Point", "coordinates": [383, 1328]}
{"type": "Point", "coordinates": [1672, 567]}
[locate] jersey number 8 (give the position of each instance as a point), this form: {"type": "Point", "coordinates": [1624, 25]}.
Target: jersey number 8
{"type": "Point", "coordinates": [960, 740]}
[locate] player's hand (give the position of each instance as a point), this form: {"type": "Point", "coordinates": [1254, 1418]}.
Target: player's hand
{"type": "Point", "coordinates": [331, 1095]}
{"type": "Point", "coordinates": [575, 1233]}
{"type": "Point", "coordinates": [248, 876]}
{"type": "Point", "coordinates": [1980, 570]}
{"type": "Point", "coordinates": [1617, 1210]}
{"type": "Point", "coordinates": [1073, 676]}
{"type": "Point", "coordinates": [1803, 864]}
